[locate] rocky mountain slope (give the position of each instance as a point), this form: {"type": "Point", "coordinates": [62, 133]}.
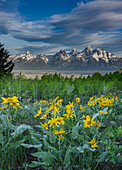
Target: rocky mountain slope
{"type": "Point", "coordinates": [87, 59]}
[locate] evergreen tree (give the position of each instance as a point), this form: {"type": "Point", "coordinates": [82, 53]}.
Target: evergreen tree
{"type": "Point", "coordinates": [6, 65]}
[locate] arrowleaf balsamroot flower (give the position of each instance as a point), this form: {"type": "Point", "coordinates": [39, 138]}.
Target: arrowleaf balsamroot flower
{"type": "Point", "coordinates": [97, 124]}
{"type": "Point", "coordinates": [53, 122]}
{"type": "Point", "coordinates": [44, 116]}
{"type": "Point", "coordinates": [77, 99]}
{"type": "Point", "coordinates": [4, 107]}
{"type": "Point", "coordinates": [56, 132]}
{"type": "Point", "coordinates": [102, 112]}
{"type": "Point", "coordinates": [69, 113]}
{"type": "Point", "coordinates": [39, 113]}
{"type": "Point", "coordinates": [82, 108]}
{"type": "Point", "coordinates": [12, 101]}
{"type": "Point", "coordinates": [93, 143]}
{"type": "Point", "coordinates": [61, 137]}
{"type": "Point", "coordinates": [89, 122]}
{"type": "Point", "coordinates": [60, 120]}
{"type": "Point", "coordinates": [70, 106]}
{"type": "Point", "coordinates": [45, 125]}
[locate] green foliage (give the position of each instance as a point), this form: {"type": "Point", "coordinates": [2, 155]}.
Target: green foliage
{"type": "Point", "coordinates": [24, 144]}
{"type": "Point", "coordinates": [50, 86]}
{"type": "Point", "coordinates": [6, 66]}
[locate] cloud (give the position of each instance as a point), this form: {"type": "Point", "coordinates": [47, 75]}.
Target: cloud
{"type": "Point", "coordinates": [97, 22]}
{"type": "Point", "coordinates": [37, 49]}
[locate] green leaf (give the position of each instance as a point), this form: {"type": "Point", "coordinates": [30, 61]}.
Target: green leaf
{"type": "Point", "coordinates": [1, 138]}
{"type": "Point", "coordinates": [31, 146]}
{"type": "Point", "coordinates": [47, 157]}
{"type": "Point", "coordinates": [102, 156]}
{"type": "Point", "coordinates": [52, 137]}
{"type": "Point", "coordinates": [36, 154]}
{"type": "Point", "coordinates": [75, 131]}
{"type": "Point", "coordinates": [20, 129]}
{"type": "Point", "coordinates": [80, 149]}
{"type": "Point", "coordinates": [16, 144]}
{"type": "Point", "coordinates": [36, 164]}
{"type": "Point", "coordinates": [113, 123]}
{"type": "Point", "coordinates": [96, 115]}
{"type": "Point", "coordinates": [67, 158]}
{"type": "Point", "coordinates": [5, 122]}
{"type": "Point", "coordinates": [106, 132]}
{"type": "Point", "coordinates": [85, 146]}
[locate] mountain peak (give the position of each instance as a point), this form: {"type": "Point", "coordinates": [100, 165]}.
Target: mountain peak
{"type": "Point", "coordinates": [28, 52]}
{"type": "Point", "coordinates": [88, 50]}
{"type": "Point", "coordinates": [73, 52]}
{"type": "Point", "coordinates": [89, 47]}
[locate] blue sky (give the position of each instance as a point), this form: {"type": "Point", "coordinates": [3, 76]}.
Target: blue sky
{"type": "Point", "coordinates": [51, 25]}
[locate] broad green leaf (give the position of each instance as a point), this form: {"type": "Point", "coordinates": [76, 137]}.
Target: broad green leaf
{"type": "Point", "coordinates": [31, 146]}
{"type": "Point", "coordinates": [36, 164]}
{"type": "Point", "coordinates": [36, 154]}
{"type": "Point", "coordinates": [52, 137]}
{"type": "Point", "coordinates": [47, 157]}
{"type": "Point", "coordinates": [80, 149]}
{"type": "Point", "coordinates": [102, 156]}
{"type": "Point", "coordinates": [96, 115]}
{"type": "Point", "coordinates": [67, 158]}
{"type": "Point", "coordinates": [1, 138]}
{"type": "Point", "coordinates": [104, 134]}
{"type": "Point", "coordinates": [75, 131]}
{"type": "Point", "coordinates": [16, 144]}
{"type": "Point", "coordinates": [20, 129]}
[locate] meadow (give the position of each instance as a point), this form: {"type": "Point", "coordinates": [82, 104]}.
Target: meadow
{"type": "Point", "coordinates": [61, 123]}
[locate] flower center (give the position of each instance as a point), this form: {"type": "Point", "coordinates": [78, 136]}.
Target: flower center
{"type": "Point", "coordinates": [89, 122]}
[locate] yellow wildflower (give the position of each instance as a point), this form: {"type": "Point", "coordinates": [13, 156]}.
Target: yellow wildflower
{"type": "Point", "coordinates": [39, 113]}
{"type": "Point", "coordinates": [59, 102]}
{"type": "Point", "coordinates": [60, 120]}
{"type": "Point", "coordinates": [102, 112]}
{"type": "Point", "coordinates": [77, 99]}
{"type": "Point", "coordinates": [91, 103]}
{"type": "Point", "coordinates": [4, 100]}
{"type": "Point", "coordinates": [89, 122]}
{"type": "Point", "coordinates": [36, 102]}
{"type": "Point", "coordinates": [53, 122]}
{"type": "Point", "coordinates": [83, 116]}
{"type": "Point", "coordinates": [14, 104]}
{"type": "Point", "coordinates": [45, 125]}
{"type": "Point", "coordinates": [61, 137]}
{"type": "Point", "coordinates": [93, 143]}
{"type": "Point", "coordinates": [4, 107]}
{"type": "Point", "coordinates": [55, 99]}
{"type": "Point", "coordinates": [97, 124]}
{"type": "Point", "coordinates": [12, 101]}
{"type": "Point", "coordinates": [70, 106]}
{"type": "Point", "coordinates": [69, 113]}
{"type": "Point", "coordinates": [44, 116]}
{"type": "Point", "coordinates": [49, 109]}
{"type": "Point", "coordinates": [56, 132]}
{"type": "Point", "coordinates": [82, 108]}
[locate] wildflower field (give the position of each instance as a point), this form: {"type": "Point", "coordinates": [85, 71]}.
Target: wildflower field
{"type": "Point", "coordinates": [61, 123]}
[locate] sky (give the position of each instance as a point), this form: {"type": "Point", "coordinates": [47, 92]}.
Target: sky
{"type": "Point", "coordinates": [48, 26]}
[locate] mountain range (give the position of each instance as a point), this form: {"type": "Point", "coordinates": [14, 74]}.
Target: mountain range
{"type": "Point", "coordinates": [87, 59]}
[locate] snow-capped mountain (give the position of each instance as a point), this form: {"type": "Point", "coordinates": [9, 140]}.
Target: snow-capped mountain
{"type": "Point", "coordinates": [87, 59]}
